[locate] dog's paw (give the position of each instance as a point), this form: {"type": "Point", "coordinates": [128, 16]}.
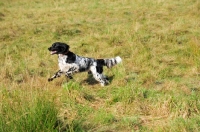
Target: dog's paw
{"type": "Point", "coordinates": [70, 77]}
{"type": "Point", "coordinates": [105, 83]}
{"type": "Point", "coordinates": [50, 79]}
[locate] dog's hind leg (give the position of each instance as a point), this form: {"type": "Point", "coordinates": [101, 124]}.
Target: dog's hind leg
{"type": "Point", "coordinates": [57, 74]}
{"type": "Point", "coordinates": [99, 77]}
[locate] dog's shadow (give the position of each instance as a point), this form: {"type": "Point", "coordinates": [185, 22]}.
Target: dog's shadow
{"type": "Point", "coordinates": [91, 81]}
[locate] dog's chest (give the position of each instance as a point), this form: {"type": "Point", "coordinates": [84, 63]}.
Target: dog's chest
{"type": "Point", "coordinates": [63, 65]}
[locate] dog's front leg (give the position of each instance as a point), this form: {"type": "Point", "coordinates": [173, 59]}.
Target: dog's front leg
{"type": "Point", "coordinates": [70, 72]}
{"type": "Point", "coordinates": [57, 74]}
{"type": "Point", "coordinates": [68, 75]}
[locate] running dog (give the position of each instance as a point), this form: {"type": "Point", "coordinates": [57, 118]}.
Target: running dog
{"type": "Point", "coordinates": [70, 63]}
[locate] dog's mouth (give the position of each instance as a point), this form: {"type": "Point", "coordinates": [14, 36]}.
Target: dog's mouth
{"type": "Point", "coordinates": [53, 52]}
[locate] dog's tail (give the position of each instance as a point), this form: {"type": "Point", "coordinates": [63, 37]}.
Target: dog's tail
{"type": "Point", "coordinates": [110, 62]}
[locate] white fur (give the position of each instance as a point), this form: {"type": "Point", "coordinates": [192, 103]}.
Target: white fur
{"type": "Point", "coordinates": [118, 59]}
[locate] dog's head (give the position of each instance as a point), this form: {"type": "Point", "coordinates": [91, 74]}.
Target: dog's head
{"type": "Point", "coordinates": [59, 48]}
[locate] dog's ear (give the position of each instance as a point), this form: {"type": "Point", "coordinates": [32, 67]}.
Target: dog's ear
{"type": "Point", "coordinates": [65, 47]}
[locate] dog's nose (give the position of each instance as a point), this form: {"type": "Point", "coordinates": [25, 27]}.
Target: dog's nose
{"type": "Point", "coordinates": [49, 48]}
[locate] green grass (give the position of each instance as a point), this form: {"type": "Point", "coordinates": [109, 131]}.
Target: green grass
{"type": "Point", "coordinates": [22, 113]}
{"type": "Point", "coordinates": [156, 88]}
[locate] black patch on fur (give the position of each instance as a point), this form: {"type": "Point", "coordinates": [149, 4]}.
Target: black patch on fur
{"type": "Point", "coordinates": [71, 57]}
{"type": "Point", "coordinates": [100, 62]}
{"type": "Point", "coordinates": [115, 61]}
{"type": "Point", "coordinates": [99, 69]}
{"type": "Point", "coordinates": [82, 69]}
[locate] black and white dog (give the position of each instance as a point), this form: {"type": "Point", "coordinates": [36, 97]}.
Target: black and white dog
{"type": "Point", "coordinates": [71, 63]}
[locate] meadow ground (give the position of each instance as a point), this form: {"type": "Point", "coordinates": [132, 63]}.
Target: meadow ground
{"type": "Point", "coordinates": [156, 88]}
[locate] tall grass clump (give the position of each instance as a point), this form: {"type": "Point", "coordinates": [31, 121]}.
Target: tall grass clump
{"type": "Point", "coordinates": [21, 114]}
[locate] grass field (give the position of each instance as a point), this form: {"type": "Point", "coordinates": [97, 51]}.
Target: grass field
{"type": "Point", "coordinates": [156, 88]}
